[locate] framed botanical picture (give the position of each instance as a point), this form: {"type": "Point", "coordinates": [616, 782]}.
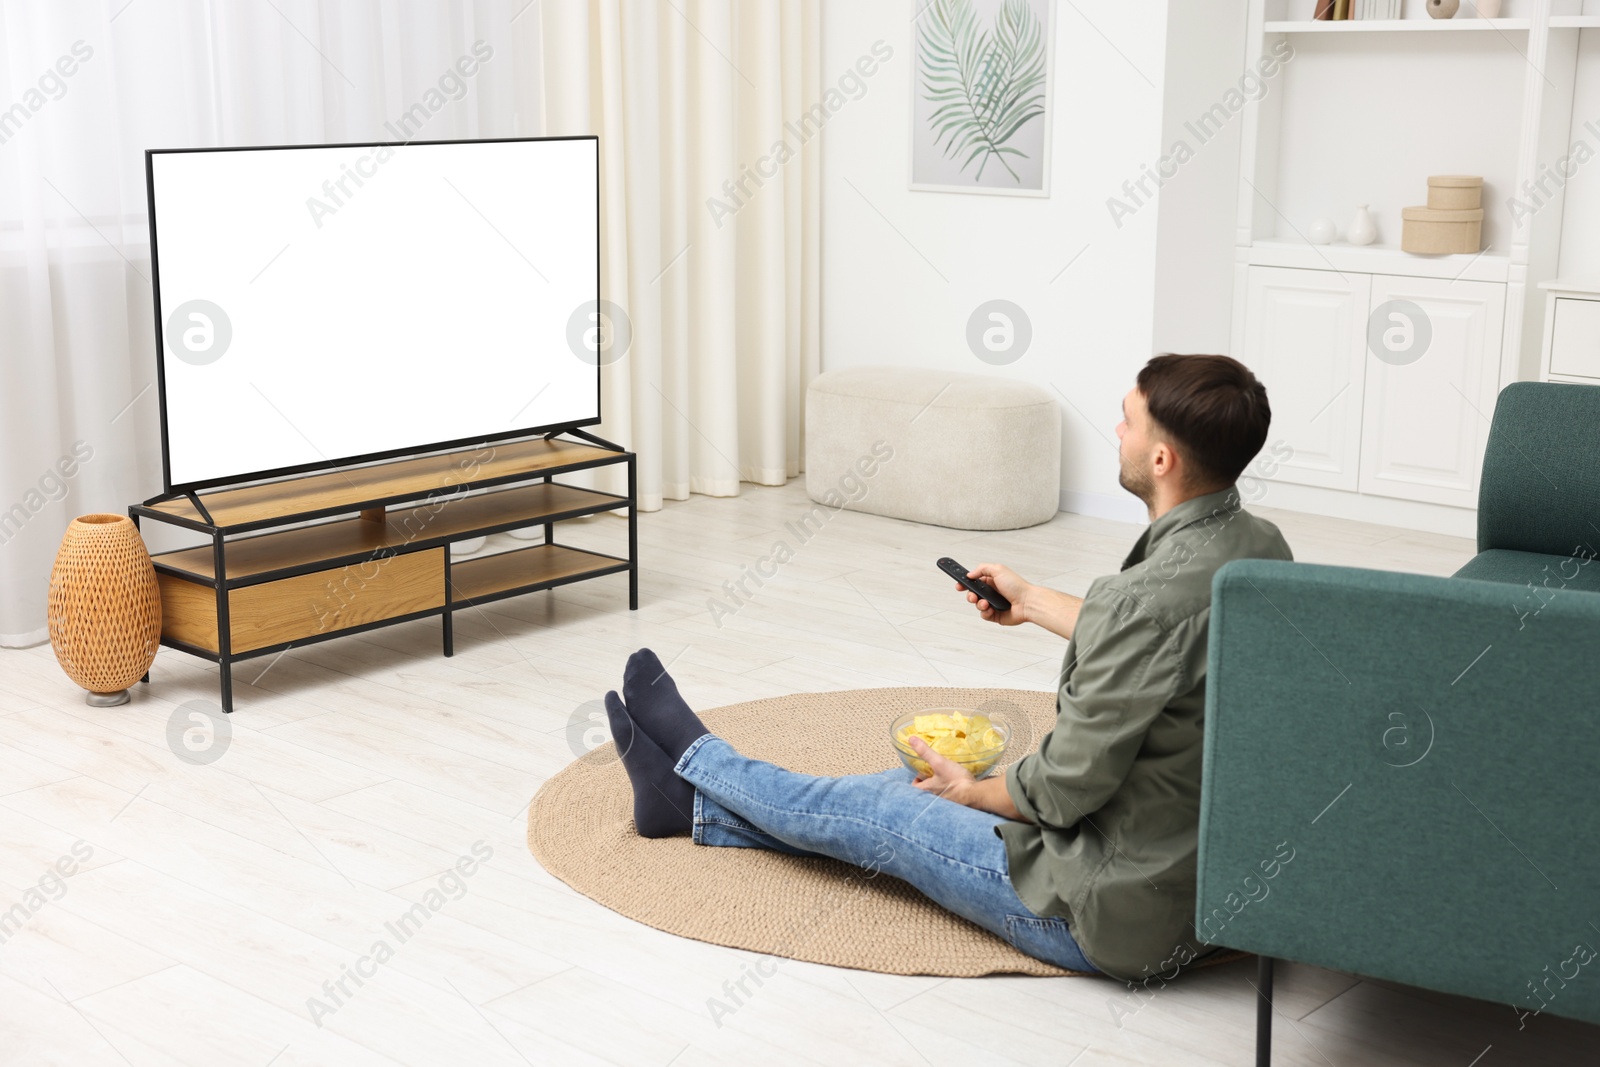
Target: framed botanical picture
{"type": "Point", "coordinates": [980, 101]}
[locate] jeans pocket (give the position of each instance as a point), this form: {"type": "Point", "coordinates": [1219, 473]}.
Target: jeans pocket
{"type": "Point", "coordinates": [1046, 939]}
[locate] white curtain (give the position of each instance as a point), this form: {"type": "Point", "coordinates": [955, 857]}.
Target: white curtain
{"type": "Point", "coordinates": [88, 86]}
{"type": "Point", "coordinates": [711, 226]}
{"type": "Point", "coordinates": [685, 95]}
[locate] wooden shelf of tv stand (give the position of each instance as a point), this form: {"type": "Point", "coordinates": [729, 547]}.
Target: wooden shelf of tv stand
{"type": "Point", "coordinates": [525, 570]}
{"type": "Point", "coordinates": [317, 495]}
{"type": "Point", "coordinates": [264, 556]}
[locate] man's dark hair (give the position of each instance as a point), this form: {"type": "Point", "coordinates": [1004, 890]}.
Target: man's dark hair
{"type": "Point", "coordinates": [1213, 408]}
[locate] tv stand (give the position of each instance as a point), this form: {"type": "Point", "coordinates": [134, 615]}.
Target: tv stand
{"type": "Point", "coordinates": [276, 575]}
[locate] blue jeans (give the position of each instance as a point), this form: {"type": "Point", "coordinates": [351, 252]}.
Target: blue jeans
{"type": "Point", "coordinates": [951, 852]}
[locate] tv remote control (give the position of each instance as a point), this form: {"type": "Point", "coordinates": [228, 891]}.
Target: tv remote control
{"type": "Point", "coordinates": [984, 590]}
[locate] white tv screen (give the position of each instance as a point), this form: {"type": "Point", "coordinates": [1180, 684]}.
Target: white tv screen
{"type": "Point", "coordinates": [323, 304]}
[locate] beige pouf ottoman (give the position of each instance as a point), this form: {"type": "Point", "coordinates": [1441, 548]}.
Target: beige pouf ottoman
{"type": "Point", "coordinates": [968, 451]}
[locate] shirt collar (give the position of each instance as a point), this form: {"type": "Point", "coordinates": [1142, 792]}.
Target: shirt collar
{"type": "Point", "coordinates": [1190, 511]}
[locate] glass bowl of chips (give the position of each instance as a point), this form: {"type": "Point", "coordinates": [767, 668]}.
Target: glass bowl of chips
{"type": "Point", "coordinates": [968, 736]}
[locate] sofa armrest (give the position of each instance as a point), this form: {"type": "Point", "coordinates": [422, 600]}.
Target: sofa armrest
{"type": "Point", "coordinates": [1400, 779]}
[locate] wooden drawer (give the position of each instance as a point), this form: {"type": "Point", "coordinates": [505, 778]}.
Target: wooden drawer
{"type": "Point", "coordinates": [290, 609]}
{"type": "Point", "coordinates": [1575, 341]}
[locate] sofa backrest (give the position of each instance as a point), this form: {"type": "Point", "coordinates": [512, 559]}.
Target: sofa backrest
{"type": "Point", "coordinates": [1399, 781]}
{"type": "Point", "coordinates": [1540, 490]}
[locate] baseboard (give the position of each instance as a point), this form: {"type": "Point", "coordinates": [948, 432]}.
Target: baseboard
{"type": "Point", "coordinates": [1118, 507]}
{"type": "Point", "coordinates": [27, 640]}
{"type": "Point", "coordinates": [1310, 500]}
{"type": "Point", "coordinates": [1385, 511]}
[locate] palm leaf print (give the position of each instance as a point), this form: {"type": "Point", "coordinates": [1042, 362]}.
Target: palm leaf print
{"type": "Point", "coordinates": [986, 86]}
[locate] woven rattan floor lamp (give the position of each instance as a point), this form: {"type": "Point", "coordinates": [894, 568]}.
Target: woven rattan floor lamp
{"type": "Point", "coordinates": [105, 607]}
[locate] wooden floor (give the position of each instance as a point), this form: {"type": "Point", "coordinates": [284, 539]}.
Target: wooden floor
{"type": "Point", "coordinates": [211, 903]}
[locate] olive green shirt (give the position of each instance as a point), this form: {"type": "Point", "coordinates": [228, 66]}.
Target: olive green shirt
{"type": "Point", "coordinates": [1112, 794]}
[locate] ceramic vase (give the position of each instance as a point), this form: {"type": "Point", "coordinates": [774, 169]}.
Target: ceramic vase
{"type": "Point", "coordinates": [104, 610]}
{"type": "Point", "coordinates": [1362, 231]}
{"type": "Point", "coordinates": [1443, 9]}
{"type": "Point", "coordinates": [1487, 9]}
{"type": "Point", "coordinates": [1320, 232]}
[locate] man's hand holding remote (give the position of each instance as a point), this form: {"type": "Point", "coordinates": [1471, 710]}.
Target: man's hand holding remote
{"type": "Point", "coordinates": [1040, 605]}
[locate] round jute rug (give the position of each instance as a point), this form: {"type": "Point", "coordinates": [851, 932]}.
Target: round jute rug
{"type": "Point", "coordinates": [580, 828]}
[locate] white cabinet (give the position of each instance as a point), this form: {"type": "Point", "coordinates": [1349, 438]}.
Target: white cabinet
{"type": "Point", "coordinates": [1305, 337]}
{"type": "Point", "coordinates": [1425, 416]}
{"type": "Point", "coordinates": [1381, 384]}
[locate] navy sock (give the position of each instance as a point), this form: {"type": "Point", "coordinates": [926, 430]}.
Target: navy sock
{"type": "Point", "coordinates": [654, 704]}
{"type": "Point", "coordinates": [663, 803]}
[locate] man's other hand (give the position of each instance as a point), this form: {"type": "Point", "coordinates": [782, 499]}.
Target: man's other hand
{"type": "Point", "coordinates": [954, 782]}
{"type": "Point", "coordinates": [948, 778]}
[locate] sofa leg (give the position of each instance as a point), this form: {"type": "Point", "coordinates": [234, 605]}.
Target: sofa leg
{"type": "Point", "coordinates": [1264, 1011]}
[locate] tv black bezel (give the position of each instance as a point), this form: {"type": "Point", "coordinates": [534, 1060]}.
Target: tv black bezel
{"type": "Point", "coordinates": [172, 489]}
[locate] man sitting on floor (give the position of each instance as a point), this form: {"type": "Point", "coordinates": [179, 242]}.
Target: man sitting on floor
{"type": "Point", "coordinates": [1083, 853]}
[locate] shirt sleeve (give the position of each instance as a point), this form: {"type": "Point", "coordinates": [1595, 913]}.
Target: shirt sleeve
{"type": "Point", "coordinates": [1127, 670]}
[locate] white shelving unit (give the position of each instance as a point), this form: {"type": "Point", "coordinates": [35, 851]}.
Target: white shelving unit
{"type": "Point", "coordinates": [1363, 112]}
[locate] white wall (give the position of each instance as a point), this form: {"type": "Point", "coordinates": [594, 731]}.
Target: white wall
{"type": "Point", "coordinates": [902, 271]}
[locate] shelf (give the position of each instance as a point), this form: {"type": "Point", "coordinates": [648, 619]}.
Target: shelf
{"type": "Point", "coordinates": [524, 570]}
{"type": "Point", "coordinates": [1574, 22]}
{"type": "Point", "coordinates": [1426, 25]}
{"type": "Point", "coordinates": [313, 495]}
{"type": "Point", "coordinates": [419, 527]}
{"type": "Point", "coordinates": [1378, 259]}
{"type": "Point", "coordinates": [1574, 285]}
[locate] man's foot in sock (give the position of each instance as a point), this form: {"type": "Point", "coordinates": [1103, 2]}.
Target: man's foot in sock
{"type": "Point", "coordinates": [663, 803]}
{"type": "Point", "coordinates": [653, 702]}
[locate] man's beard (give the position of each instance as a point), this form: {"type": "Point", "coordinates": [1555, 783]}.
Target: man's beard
{"type": "Point", "coordinates": [1137, 481]}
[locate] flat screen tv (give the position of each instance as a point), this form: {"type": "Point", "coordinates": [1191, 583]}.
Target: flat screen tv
{"type": "Point", "coordinates": [321, 305]}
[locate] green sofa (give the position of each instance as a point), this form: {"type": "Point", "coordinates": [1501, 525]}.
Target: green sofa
{"type": "Point", "coordinates": [1401, 770]}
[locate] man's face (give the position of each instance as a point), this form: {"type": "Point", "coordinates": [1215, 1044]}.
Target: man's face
{"type": "Point", "coordinates": [1137, 449]}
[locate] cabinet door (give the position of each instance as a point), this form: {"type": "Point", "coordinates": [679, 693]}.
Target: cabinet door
{"type": "Point", "coordinates": [1305, 338]}
{"type": "Point", "coordinates": [1426, 413]}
